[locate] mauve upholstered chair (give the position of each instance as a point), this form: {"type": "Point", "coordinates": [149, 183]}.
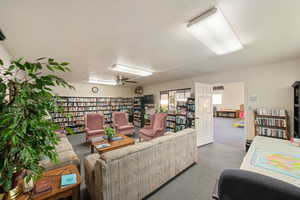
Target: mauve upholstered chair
{"type": "Point", "coordinates": [121, 124]}
{"type": "Point", "coordinates": [94, 126]}
{"type": "Point", "coordinates": [157, 127]}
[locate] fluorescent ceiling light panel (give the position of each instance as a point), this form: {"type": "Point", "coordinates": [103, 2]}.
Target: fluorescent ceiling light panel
{"type": "Point", "coordinates": [101, 81]}
{"type": "Point", "coordinates": [212, 29]}
{"type": "Point", "coordinates": [131, 70]}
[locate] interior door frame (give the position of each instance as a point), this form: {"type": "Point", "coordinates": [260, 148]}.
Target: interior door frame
{"type": "Point", "coordinates": [208, 139]}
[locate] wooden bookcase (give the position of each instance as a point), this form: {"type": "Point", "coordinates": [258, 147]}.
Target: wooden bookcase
{"type": "Point", "coordinates": [75, 109]}
{"type": "Point", "coordinates": [296, 118]}
{"type": "Point", "coordinates": [272, 126]}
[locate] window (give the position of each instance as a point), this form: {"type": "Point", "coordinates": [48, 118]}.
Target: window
{"type": "Point", "coordinates": [169, 98]}
{"type": "Point", "coordinates": [217, 99]}
{"type": "Point", "coordinates": [164, 101]}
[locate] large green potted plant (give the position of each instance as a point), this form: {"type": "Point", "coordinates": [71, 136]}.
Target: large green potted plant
{"type": "Point", "coordinates": [27, 133]}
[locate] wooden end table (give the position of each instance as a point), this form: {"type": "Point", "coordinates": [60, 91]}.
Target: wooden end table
{"type": "Point", "coordinates": [113, 145]}
{"type": "Point", "coordinates": [57, 192]}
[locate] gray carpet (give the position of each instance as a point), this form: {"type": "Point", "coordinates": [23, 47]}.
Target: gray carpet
{"type": "Point", "coordinates": [197, 182]}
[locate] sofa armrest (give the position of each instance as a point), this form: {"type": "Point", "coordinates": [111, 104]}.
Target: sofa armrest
{"type": "Point", "coordinates": [89, 169]}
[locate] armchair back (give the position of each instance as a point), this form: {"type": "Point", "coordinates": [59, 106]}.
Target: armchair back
{"type": "Point", "coordinates": [120, 119]}
{"type": "Point", "coordinates": [94, 121]}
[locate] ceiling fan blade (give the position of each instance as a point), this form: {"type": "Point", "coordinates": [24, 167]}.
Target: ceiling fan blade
{"type": "Point", "coordinates": [130, 81]}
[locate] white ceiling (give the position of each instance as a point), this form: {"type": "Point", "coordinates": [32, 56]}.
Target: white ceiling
{"type": "Point", "coordinates": [94, 34]}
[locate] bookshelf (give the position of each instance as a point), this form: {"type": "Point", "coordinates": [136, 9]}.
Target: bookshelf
{"type": "Point", "coordinates": [75, 109]}
{"type": "Point", "coordinates": [272, 123]}
{"type": "Point", "coordinates": [138, 112]}
{"type": "Point", "coordinates": [191, 112]}
{"type": "Point", "coordinates": [181, 115]}
{"type": "Point", "coordinates": [296, 118]}
{"type": "Point", "coordinates": [171, 123]}
{"type": "Point", "coordinates": [183, 118]}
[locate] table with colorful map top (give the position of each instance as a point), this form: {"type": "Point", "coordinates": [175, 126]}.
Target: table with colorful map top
{"type": "Point", "coordinates": [275, 158]}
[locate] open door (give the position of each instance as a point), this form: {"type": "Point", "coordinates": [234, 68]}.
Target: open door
{"type": "Point", "coordinates": [203, 114]}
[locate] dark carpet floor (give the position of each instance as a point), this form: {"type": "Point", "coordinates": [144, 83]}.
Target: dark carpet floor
{"type": "Point", "coordinates": [197, 182]}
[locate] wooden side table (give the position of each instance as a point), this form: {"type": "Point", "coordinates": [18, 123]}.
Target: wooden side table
{"type": "Point", "coordinates": [114, 145]}
{"type": "Point", "coordinates": [57, 191]}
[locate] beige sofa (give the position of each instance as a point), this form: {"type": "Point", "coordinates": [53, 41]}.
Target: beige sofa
{"type": "Point", "coordinates": [135, 171]}
{"type": "Point", "coordinates": [66, 155]}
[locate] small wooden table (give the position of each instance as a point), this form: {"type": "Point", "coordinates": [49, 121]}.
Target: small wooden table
{"type": "Point", "coordinates": [113, 145]}
{"type": "Point", "coordinates": [228, 113]}
{"type": "Point", "coordinates": [57, 192]}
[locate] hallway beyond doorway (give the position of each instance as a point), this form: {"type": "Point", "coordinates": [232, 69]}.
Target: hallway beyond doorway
{"type": "Point", "coordinates": [226, 133]}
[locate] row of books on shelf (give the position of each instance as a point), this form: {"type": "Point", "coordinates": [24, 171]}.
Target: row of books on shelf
{"type": "Point", "coordinates": [271, 122]}
{"type": "Point", "coordinates": [180, 127]}
{"type": "Point", "coordinates": [171, 118]}
{"type": "Point", "coordinates": [271, 112]}
{"type": "Point", "coordinates": [191, 107]}
{"type": "Point", "coordinates": [93, 99]}
{"type": "Point", "coordinates": [65, 104]}
{"type": "Point", "coordinates": [171, 124]}
{"type": "Point", "coordinates": [181, 119]}
{"type": "Point", "coordinates": [270, 132]}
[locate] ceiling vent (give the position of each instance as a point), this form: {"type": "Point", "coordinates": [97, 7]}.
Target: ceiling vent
{"type": "Point", "coordinates": [218, 88]}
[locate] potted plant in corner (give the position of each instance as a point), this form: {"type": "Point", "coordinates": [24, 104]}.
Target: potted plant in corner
{"type": "Point", "coordinates": [27, 133]}
{"type": "Point", "coordinates": [110, 133]}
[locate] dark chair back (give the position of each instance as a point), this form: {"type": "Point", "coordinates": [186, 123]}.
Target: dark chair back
{"type": "Point", "coordinates": [235, 184]}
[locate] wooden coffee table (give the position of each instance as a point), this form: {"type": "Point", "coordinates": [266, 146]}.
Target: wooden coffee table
{"type": "Point", "coordinates": [57, 191]}
{"type": "Point", "coordinates": [113, 145]}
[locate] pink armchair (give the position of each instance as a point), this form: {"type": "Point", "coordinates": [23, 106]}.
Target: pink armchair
{"type": "Point", "coordinates": [94, 126]}
{"type": "Point", "coordinates": [121, 124]}
{"type": "Point", "coordinates": [157, 127]}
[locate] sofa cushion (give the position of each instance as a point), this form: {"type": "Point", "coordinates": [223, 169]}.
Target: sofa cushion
{"type": "Point", "coordinates": [162, 139]}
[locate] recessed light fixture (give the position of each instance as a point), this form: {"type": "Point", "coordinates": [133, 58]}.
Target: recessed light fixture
{"type": "Point", "coordinates": [102, 81]}
{"type": "Point", "coordinates": [212, 29]}
{"type": "Point", "coordinates": [132, 70]}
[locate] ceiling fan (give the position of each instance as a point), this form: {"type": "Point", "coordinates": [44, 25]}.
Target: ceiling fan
{"type": "Point", "coordinates": [121, 80]}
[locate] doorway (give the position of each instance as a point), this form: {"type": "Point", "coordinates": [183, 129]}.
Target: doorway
{"type": "Point", "coordinates": [229, 114]}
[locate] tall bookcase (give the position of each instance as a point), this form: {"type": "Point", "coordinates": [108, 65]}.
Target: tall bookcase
{"type": "Point", "coordinates": [184, 116]}
{"type": "Point", "coordinates": [138, 111]}
{"type": "Point", "coordinates": [75, 109]}
{"type": "Point", "coordinates": [171, 122]}
{"type": "Point", "coordinates": [191, 112]}
{"type": "Point", "coordinates": [272, 123]}
{"type": "Point", "coordinates": [296, 118]}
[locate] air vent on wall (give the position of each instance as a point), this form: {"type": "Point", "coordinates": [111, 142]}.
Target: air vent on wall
{"type": "Point", "coordinates": [2, 37]}
{"type": "Point", "coordinates": [218, 88]}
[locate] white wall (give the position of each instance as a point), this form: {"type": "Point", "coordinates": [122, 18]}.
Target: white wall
{"type": "Point", "coordinates": [270, 83]}
{"type": "Point", "coordinates": [85, 90]}
{"type": "Point", "coordinates": [4, 55]}
{"type": "Point", "coordinates": [232, 96]}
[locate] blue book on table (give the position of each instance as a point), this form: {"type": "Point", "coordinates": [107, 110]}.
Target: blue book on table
{"type": "Point", "coordinates": [68, 179]}
{"type": "Point", "coordinates": [117, 138]}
